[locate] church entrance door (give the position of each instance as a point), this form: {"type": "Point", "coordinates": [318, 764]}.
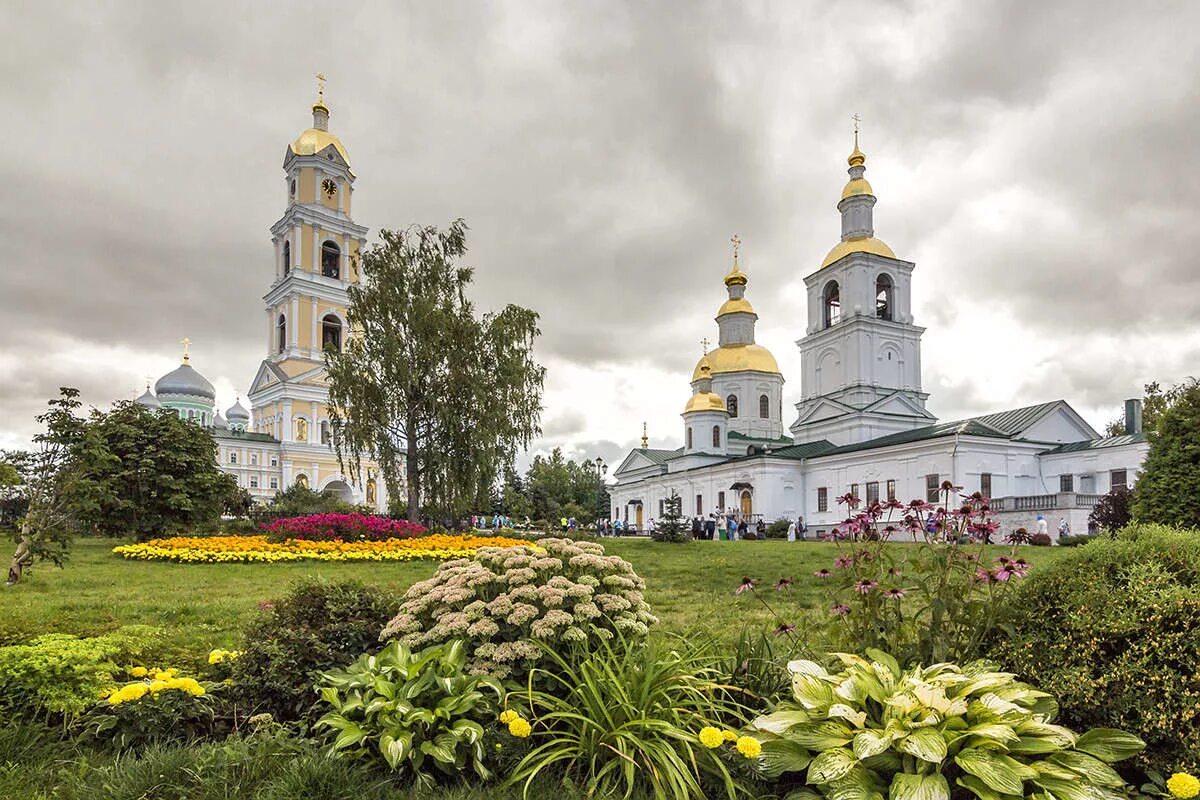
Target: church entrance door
{"type": "Point", "coordinates": [747, 505]}
{"type": "Point", "coordinates": [639, 516]}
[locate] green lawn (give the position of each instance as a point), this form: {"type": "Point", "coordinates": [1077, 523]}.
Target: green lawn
{"type": "Point", "coordinates": [201, 606]}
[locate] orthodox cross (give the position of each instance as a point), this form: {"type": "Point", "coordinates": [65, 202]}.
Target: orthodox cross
{"type": "Point", "coordinates": [737, 242]}
{"type": "Point", "coordinates": [321, 85]}
{"type": "Point", "coordinates": [704, 344]}
{"type": "Point", "coordinates": [186, 342]}
{"type": "Point", "coordinates": [856, 119]}
{"type": "Point", "coordinates": [645, 441]}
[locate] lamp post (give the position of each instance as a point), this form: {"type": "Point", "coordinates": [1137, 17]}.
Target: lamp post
{"type": "Point", "coordinates": [601, 504]}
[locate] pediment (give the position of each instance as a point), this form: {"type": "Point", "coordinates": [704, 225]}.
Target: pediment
{"type": "Point", "coordinates": [823, 409]}
{"type": "Point", "coordinates": [1062, 424]}
{"type": "Point", "coordinates": [268, 375]}
{"type": "Point", "coordinates": [898, 404]}
{"type": "Point", "coordinates": [633, 462]}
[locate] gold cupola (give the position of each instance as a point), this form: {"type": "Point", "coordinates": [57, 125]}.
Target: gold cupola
{"type": "Point", "coordinates": [736, 319]}
{"type": "Point", "coordinates": [856, 204]}
{"type": "Point", "coordinates": [317, 138]}
{"type": "Point", "coordinates": [704, 399]}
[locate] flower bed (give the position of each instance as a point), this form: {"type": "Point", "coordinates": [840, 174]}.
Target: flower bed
{"type": "Point", "coordinates": [258, 549]}
{"type": "Point", "coordinates": [342, 527]}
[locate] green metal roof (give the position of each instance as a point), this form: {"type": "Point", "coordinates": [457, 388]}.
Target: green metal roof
{"type": "Point", "coordinates": [1098, 444]}
{"type": "Point", "coordinates": [659, 456]}
{"type": "Point", "coordinates": [806, 450]}
{"type": "Point", "coordinates": [1013, 422]}
{"type": "Point", "coordinates": [248, 436]}
{"type": "Point", "coordinates": [743, 437]}
{"type": "Point", "coordinates": [969, 427]}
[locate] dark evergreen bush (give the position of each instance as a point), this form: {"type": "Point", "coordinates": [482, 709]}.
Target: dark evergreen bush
{"type": "Point", "coordinates": [1112, 630]}
{"type": "Point", "coordinates": [318, 626]}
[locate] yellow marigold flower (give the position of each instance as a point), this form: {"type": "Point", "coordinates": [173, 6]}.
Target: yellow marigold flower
{"type": "Point", "coordinates": [730, 736]}
{"type": "Point", "coordinates": [1183, 786]}
{"type": "Point", "coordinates": [139, 672]}
{"type": "Point", "coordinates": [508, 716]}
{"type": "Point", "coordinates": [711, 737]}
{"type": "Point", "coordinates": [749, 747]}
{"type": "Point", "coordinates": [519, 728]}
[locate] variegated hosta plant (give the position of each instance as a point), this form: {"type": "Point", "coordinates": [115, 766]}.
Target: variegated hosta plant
{"type": "Point", "coordinates": [420, 711]}
{"type": "Point", "coordinates": [933, 733]}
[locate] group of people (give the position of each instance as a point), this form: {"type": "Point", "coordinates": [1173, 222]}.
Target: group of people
{"type": "Point", "coordinates": [495, 522]}
{"type": "Point", "coordinates": [731, 526]}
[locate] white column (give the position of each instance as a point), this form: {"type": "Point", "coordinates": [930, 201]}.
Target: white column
{"type": "Point", "coordinates": [294, 322]}
{"type": "Point", "coordinates": [278, 269]}
{"type": "Point", "coordinates": [314, 342]}
{"type": "Point", "coordinates": [316, 265]}
{"type": "Point", "coordinates": [345, 258]}
{"type": "Point", "coordinates": [341, 189]}
{"type": "Point", "coordinates": [287, 432]}
{"type": "Point", "coordinates": [270, 331]}
{"type": "Point", "coordinates": [296, 233]}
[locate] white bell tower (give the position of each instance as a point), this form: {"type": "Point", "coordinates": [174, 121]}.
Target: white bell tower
{"type": "Point", "coordinates": [861, 353]}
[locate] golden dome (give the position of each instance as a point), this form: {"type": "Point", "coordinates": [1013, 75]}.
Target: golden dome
{"type": "Point", "coordinates": [739, 358]}
{"type": "Point", "coordinates": [704, 401]}
{"type": "Point", "coordinates": [735, 277]}
{"type": "Point", "coordinates": [863, 244]}
{"type": "Point", "coordinates": [735, 305]}
{"type": "Point", "coordinates": [313, 141]}
{"type": "Point", "coordinates": [857, 186]}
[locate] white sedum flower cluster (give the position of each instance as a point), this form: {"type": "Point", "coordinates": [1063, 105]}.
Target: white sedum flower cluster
{"type": "Point", "coordinates": [503, 599]}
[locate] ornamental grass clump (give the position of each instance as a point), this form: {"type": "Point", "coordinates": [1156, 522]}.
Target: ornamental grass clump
{"type": "Point", "coordinates": [929, 733]}
{"type": "Point", "coordinates": [505, 601]}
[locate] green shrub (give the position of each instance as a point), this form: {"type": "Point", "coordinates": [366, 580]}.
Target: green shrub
{"type": "Point", "coordinates": [872, 730]}
{"type": "Point", "coordinates": [63, 674]}
{"type": "Point", "coordinates": [506, 600]}
{"type": "Point", "coordinates": [778, 529]}
{"type": "Point", "coordinates": [1112, 630]}
{"type": "Point", "coordinates": [1041, 540]}
{"type": "Point", "coordinates": [317, 626]}
{"type": "Point", "coordinates": [420, 712]}
{"type": "Point", "coordinates": [1074, 540]}
{"type": "Point", "coordinates": [623, 719]}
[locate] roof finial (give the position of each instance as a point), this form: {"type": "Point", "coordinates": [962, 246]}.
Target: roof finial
{"type": "Point", "coordinates": [645, 441]}
{"type": "Point", "coordinates": [186, 342]}
{"type": "Point", "coordinates": [735, 276]}
{"type": "Point", "coordinates": [704, 344]}
{"type": "Point", "coordinates": [319, 109]}
{"type": "Point", "coordinates": [857, 158]}
{"type": "Point", "coordinates": [321, 89]}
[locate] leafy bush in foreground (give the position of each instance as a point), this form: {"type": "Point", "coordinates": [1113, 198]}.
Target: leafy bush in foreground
{"type": "Point", "coordinates": [418, 711]}
{"type": "Point", "coordinates": [63, 674]}
{"type": "Point", "coordinates": [506, 600]}
{"type": "Point", "coordinates": [873, 730]}
{"type": "Point", "coordinates": [318, 626]}
{"type": "Point", "coordinates": [1112, 630]}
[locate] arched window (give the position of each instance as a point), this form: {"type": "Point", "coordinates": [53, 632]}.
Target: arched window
{"type": "Point", "coordinates": [689, 437]}
{"type": "Point", "coordinates": [292, 190]}
{"type": "Point", "coordinates": [832, 301]}
{"type": "Point", "coordinates": [883, 297]}
{"type": "Point", "coordinates": [287, 257]}
{"type": "Point", "coordinates": [331, 260]}
{"type": "Point", "coordinates": [764, 407]}
{"type": "Point", "coordinates": [324, 431]}
{"type": "Point", "coordinates": [281, 327]}
{"type": "Point", "coordinates": [716, 435]}
{"type": "Point", "coordinates": [731, 404]}
{"type": "Point", "coordinates": [331, 333]}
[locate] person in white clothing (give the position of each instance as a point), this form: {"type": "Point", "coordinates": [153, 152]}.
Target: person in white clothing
{"type": "Point", "coordinates": [1042, 526]}
{"type": "Point", "coordinates": [791, 535]}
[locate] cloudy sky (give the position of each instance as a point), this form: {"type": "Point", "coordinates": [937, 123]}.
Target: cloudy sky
{"type": "Point", "coordinates": [1038, 162]}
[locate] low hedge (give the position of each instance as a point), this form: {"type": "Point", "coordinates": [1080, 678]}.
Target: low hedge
{"type": "Point", "coordinates": [1113, 631]}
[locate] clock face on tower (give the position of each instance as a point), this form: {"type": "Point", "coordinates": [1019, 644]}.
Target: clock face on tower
{"type": "Point", "coordinates": [329, 187]}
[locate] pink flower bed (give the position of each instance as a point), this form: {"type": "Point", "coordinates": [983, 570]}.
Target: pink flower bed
{"type": "Point", "coordinates": [341, 527]}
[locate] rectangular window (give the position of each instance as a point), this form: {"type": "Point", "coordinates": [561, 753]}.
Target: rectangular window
{"type": "Point", "coordinates": [891, 490]}
{"type": "Point", "coordinates": [274, 483]}
{"type": "Point", "coordinates": [872, 492]}
{"type": "Point", "coordinates": [1066, 483]}
{"type": "Point", "coordinates": [932, 488]}
{"type": "Point", "coordinates": [720, 501]}
{"type": "Point", "coordinates": [274, 461]}
{"type": "Point", "coordinates": [699, 504]}
{"type": "Point", "coordinates": [253, 482]}
{"type": "Point", "coordinates": [985, 484]}
{"type": "Point", "coordinates": [253, 459]}
{"type": "Point", "coordinates": [1118, 478]}
{"type": "Point", "coordinates": [854, 490]}
{"type": "Point", "coordinates": [822, 499]}
{"type": "Point", "coordinates": [232, 456]}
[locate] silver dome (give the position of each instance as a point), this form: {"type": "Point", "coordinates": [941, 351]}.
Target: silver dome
{"type": "Point", "coordinates": [148, 399]}
{"type": "Point", "coordinates": [183, 380]}
{"type": "Point", "coordinates": [237, 412]}
{"type": "Point", "coordinates": [219, 422]}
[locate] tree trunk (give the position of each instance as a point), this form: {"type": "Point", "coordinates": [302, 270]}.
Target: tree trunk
{"type": "Point", "coordinates": [22, 557]}
{"type": "Point", "coordinates": [410, 464]}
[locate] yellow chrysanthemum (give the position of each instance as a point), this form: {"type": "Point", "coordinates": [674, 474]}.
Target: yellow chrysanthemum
{"type": "Point", "coordinates": [749, 747]}
{"type": "Point", "coordinates": [730, 736]}
{"type": "Point", "coordinates": [711, 737]}
{"type": "Point", "coordinates": [139, 672]}
{"type": "Point", "coordinates": [519, 728]}
{"type": "Point", "coordinates": [508, 716]}
{"type": "Point", "coordinates": [1183, 786]}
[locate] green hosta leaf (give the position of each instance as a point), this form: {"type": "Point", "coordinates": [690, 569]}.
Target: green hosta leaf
{"type": "Point", "coordinates": [469, 730]}
{"type": "Point", "coordinates": [994, 732]}
{"type": "Point", "coordinates": [919, 787]}
{"type": "Point", "coordinates": [926, 744]}
{"type": "Point", "coordinates": [990, 769]}
{"type": "Point", "coordinates": [978, 787]}
{"type": "Point", "coordinates": [1065, 789]}
{"type": "Point", "coordinates": [350, 736]}
{"type": "Point", "coordinates": [831, 765]}
{"type": "Point", "coordinates": [820, 736]}
{"type": "Point", "coordinates": [1048, 769]}
{"type": "Point", "coordinates": [385, 687]}
{"type": "Point", "coordinates": [811, 691]}
{"type": "Point", "coordinates": [1109, 744]}
{"type": "Point", "coordinates": [438, 752]}
{"type": "Point", "coordinates": [853, 687]}
{"type": "Point", "coordinates": [330, 695]}
{"type": "Point", "coordinates": [1033, 746]}
{"type": "Point", "coordinates": [843, 711]}
{"type": "Point", "coordinates": [780, 721]}
{"type": "Point", "coordinates": [1020, 769]}
{"type": "Point", "coordinates": [802, 794]}
{"type": "Point", "coordinates": [871, 743]}
{"type": "Point", "coordinates": [985, 682]}
{"type": "Point", "coordinates": [395, 748]}
{"type": "Point", "coordinates": [1089, 767]}
{"type": "Point", "coordinates": [782, 755]}
{"type": "Point", "coordinates": [880, 657]}
{"type": "Point", "coordinates": [857, 784]}
{"type": "Point", "coordinates": [803, 667]}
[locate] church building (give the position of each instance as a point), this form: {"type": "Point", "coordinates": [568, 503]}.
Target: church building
{"type": "Point", "coordinates": [285, 437]}
{"type": "Point", "coordinates": [861, 426]}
